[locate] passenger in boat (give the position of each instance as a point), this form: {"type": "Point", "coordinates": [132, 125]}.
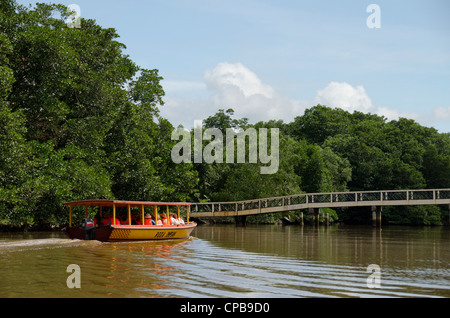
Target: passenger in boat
{"type": "Point", "coordinates": [122, 222]}
{"type": "Point", "coordinates": [159, 222]}
{"type": "Point", "coordinates": [112, 221]}
{"type": "Point", "coordinates": [97, 220]}
{"type": "Point", "coordinates": [148, 220]}
{"type": "Point", "coordinates": [164, 219]}
{"type": "Point", "coordinates": [133, 221]}
{"type": "Point", "coordinates": [180, 220]}
{"type": "Point", "coordinates": [173, 219]}
{"type": "Point", "coordinates": [108, 220]}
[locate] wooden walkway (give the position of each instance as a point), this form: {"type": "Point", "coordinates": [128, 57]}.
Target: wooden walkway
{"type": "Point", "coordinates": [375, 199]}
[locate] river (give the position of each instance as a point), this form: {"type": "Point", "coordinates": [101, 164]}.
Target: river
{"type": "Point", "coordinates": [263, 261]}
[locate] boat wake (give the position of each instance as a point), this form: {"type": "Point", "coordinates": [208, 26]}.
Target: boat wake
{"type": "Point", "coordinates": [20, 245]}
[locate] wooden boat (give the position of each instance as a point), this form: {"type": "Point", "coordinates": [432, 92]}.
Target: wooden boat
{"type": "Point", "coordinates": [113, 231]}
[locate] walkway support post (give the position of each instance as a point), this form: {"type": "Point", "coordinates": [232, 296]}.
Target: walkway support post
{"type": "Point", "coordinates": [376, 215]}
{"type": "Point", "coordinates": [316, 216]}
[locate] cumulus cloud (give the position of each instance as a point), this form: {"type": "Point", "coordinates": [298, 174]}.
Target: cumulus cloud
{"type": "Point", "coordinates": [232, 85]}
{"type": "Point", "coordinates": [235, 86]}
{"type": "Point", "coordinates": [345, 96]}
{"type": "Point", "coordinates": [237, 77]}
{"type": "Point", "coordinates": [229, 85]}
{"type": "Point", "coordinates": [393, 114]}
{"type": "Point", "coordinates": [350, 98]}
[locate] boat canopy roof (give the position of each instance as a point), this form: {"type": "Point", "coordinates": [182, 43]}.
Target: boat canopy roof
{"type": "Point", "coordinates": [120, 203]}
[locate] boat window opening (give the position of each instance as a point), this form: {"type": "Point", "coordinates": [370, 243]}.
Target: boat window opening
{"type": "Point", "coordinates": [116, 213]}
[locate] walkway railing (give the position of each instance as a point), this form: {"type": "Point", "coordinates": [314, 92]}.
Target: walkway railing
{"type": "Point", "coordinates": [322, 200]}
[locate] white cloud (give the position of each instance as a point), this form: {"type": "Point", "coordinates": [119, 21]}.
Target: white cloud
{"type": "Point", "coordinates": [235, 86]}
{"type": "Point", "coordinates": [349, 98]}
{"type": "Point", "coordinates": [232, 85]}
{"type": "Point", "coordinates": [236, 76]}
{"type": "Point", "coordinates": [393, 114]}
{"type": "Point", "coordinates": [345, 96]}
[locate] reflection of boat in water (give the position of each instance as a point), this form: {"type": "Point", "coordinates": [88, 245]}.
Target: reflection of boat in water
{"type": "Point", "coordinates": [106, 227]}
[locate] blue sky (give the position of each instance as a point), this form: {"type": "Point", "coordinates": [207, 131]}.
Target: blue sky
{"type": "Point", "coordinates": [273, 59]}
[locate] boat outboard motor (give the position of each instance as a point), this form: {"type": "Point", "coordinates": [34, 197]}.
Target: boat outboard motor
{"type": "Point", "coordinates": [88, 227]}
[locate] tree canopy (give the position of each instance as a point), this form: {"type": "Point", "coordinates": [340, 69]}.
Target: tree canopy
{"type": "Point", "coordinates": [79, 119]}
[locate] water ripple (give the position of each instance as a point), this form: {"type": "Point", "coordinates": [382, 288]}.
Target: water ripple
{"type": "Point", "coordinates": [204, 267]}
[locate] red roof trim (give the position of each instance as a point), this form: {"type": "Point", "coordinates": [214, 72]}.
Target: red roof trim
{"type": "Point", "coordinates": [100, 202]}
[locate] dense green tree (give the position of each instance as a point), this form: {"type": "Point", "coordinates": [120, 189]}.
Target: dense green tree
{"type": "Point", "coordinates": [79, 119]}
{"type": "Point", "coordinates": [436, 165]}
{"type": "Point", "coordinates": [223, 120]}
{"type": "Point", "coordinates": [318, 123]}
{"type": "Point", "coordinates": [303, 167]}
{"type": "Point", "coordinates": [15, 154]}
{"type": "Point", "coordinates": [244, 181]}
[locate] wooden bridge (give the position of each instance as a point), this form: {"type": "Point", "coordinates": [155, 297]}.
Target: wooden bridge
{"type": "Point", "coordinates": [314, 201]}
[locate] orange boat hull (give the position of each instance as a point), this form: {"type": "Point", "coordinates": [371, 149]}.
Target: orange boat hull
{"type": "Point", "coordinates": [118, 233]}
